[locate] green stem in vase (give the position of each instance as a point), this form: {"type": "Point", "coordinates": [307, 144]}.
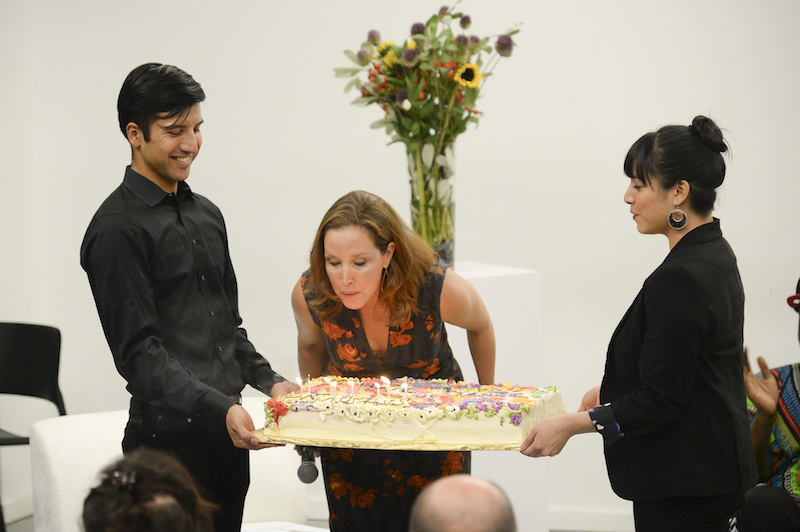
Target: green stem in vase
{"type": "Point", "coordinates": [422, 218]}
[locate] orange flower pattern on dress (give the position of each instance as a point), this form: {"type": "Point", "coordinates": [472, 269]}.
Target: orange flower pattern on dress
{"type": "Point", "coordinates": [398, 338]}
{"type": "Point", "coordinates": [363, 498]}
{"type": "Point", "coordinates": [333, 331]}
{"type": "Point", "coordinates": [431, 370]}
{"type": "Point", "coordinates": [353, 368]}
{"type": "Point", "coordinates": [348, 352]}
{"type": "Point", "coordinates": [454, 463]}
{"type": "Point", "coordinates": [417, 482]}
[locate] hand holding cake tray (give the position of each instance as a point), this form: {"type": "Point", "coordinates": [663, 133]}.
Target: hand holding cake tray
{"type": "Point", "coordinates": [407, 414]}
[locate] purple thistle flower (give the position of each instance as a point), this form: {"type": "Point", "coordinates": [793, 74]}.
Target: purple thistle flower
{"type": "Point", "coordinates": [443, 11]}
{"type": "Point", "coordinates": [462, 41]}
{"type": "Point", "coordinates": [418, 28]}
{"type": "Point", "coordinates": [465, 21]}
{"type": "Point", "coordinates": [363, 57]}
{"type": "Point", "coordinates": [401, 96]}
{"type": "Point", "coordinates": [409, 57]}
{"type": "Point", "coordinates": [504, 45]}
{"type": "Point", "coordinates": [374, 37]}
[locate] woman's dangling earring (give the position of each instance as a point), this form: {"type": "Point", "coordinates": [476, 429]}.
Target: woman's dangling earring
{"type": "Point", "coordinates": [677, 219]}
{"type": "Point", "coordinates": [384, 275]}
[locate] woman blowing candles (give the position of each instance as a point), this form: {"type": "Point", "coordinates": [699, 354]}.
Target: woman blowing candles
{"type": "Point", "coordinates": [671, 407]}
{"type": "Point", "coordinates": [373, 304]}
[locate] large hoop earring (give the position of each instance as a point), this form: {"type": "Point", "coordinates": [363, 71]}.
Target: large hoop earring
{"type": "Point", "coordinates": [677, 219]}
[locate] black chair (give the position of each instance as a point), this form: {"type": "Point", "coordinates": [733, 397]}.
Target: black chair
{"type": "Point", "coordinates": [29, 359]}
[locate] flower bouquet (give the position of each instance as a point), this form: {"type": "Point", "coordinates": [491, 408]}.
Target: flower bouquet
{"type": "Point", "coordinates": [428, 87]}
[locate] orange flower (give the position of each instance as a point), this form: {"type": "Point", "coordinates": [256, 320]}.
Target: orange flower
{"type": "Point", "coordinates": [440, 270]}
{"type": "Point", "coordinates": [333, 331]}
{"type": "Point", "coordinates": [417, 482]}
{"type": "Point", "coordinates": [431, 369]}
{"type": "Point", "coordinates": [429, 323]}
{"type": "Point", "coordinates": [362, 499]}
{"type": "Point", "coordinates": [339, 487]}
{"type": "Point", "coordinates": [348, 352]}
{"type": "Point", "coordinates": [406, 326]}
{"type": "Point", "coordinates": [356, 322]}
{"type": "Point", "coordinates": [352, 368]}
{"type": "Point", "coordinates": [398, 339]}
{"type": "Point", "coordinates": [454, 463]}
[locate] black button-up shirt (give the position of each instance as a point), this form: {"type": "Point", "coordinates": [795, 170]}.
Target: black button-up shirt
{"type": "Point", "coordinates": [166, 293]}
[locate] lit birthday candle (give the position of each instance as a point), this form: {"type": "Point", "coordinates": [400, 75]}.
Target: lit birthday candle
{"type": "Point", "coordinates": [405, 391]}
{"type": "Point", "coordinates": [352, 389]}
{"type": "Point", "coordinates": [377, 392]}
{"type": "Point", "coordinates": [333, 390]}
{"type": "Point", "coordinates": [388, 389]}
{"type": "Point", "coordinates": [309, 385]}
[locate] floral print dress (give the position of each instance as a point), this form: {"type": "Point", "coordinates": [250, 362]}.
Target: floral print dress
{"type": "Point", "coordinates": [374, 489]}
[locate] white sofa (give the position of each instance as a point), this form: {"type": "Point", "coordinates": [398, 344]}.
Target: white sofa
{"type": "Point", "coordinates": [68, 453]}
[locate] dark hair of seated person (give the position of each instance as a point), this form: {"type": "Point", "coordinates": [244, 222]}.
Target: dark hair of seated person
{"type": "Point", "coordinates": [147, 491]}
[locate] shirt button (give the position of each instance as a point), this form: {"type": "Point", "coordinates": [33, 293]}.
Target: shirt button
{"type": "Point", "coordinates": [194, 241]}
{"type": "Point", "coordinates": [219, 349]}
{"type": "Point", "coordinates": [212, 313]}
{"type": "Point", "coordinates": [202, 277]}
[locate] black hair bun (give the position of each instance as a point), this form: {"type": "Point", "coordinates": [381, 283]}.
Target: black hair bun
{"type": "Point", "coordinates": [709, 133]}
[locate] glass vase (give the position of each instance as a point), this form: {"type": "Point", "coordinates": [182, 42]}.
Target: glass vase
{"type": "Point", "coordinates": [431, 171]}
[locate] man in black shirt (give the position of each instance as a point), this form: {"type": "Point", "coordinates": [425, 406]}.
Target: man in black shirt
{"type": "Point", "coordinates": [157, 259]}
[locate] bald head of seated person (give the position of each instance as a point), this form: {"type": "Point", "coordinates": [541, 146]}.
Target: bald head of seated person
{"type": "Point", "coordinates": [462, 503]}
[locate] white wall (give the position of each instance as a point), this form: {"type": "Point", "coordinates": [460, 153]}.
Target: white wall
{"type": "Point", "coordinates": [539, 184]}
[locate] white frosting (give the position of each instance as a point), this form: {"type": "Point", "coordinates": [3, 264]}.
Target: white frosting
{"type": "Point", "coordinates": [431, 415]}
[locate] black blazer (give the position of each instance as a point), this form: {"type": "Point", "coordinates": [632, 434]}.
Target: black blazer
{"type": "Point", "coordinates": [674, 378]}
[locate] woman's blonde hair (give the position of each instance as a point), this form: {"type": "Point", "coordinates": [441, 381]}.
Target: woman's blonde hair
{"type": "Point", "coordinates": [412, 261]}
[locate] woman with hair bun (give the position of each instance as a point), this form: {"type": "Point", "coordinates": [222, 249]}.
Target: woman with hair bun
{"type": "Point", "coordinates": [671, 407]}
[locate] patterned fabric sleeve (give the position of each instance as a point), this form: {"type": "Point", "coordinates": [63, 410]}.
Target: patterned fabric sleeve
{"type": "Point", "coordinates": [605, 423]}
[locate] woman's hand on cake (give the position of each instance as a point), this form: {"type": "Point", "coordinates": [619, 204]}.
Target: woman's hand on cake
{"type": "Point", "coordinates": [549, 436]}
{"type": "Point", "coordinates": [240, 429]}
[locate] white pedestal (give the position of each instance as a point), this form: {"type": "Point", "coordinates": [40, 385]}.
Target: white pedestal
{"type": "Point", "coordinates": [513, 297]}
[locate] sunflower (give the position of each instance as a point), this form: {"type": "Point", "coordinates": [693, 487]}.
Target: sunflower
{"type": "Point", "coordinates": [469, 75]}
